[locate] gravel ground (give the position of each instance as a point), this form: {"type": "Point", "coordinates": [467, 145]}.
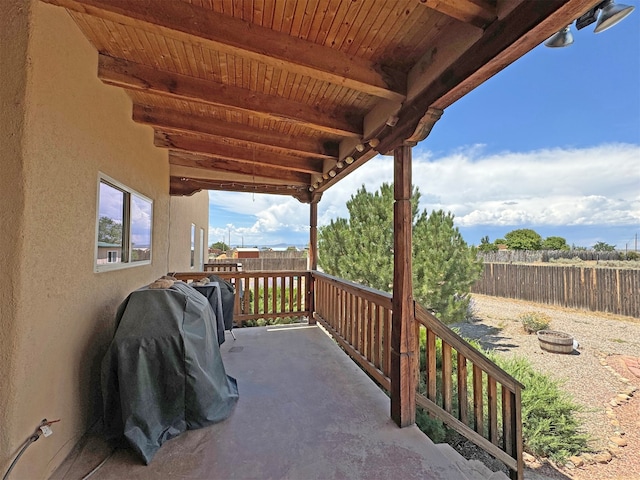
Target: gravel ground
{"type": "Point", "coordinates": [592, 374]}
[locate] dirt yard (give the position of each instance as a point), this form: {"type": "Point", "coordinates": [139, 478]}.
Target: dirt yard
{"type": "Point", "coordinates": [603, 375]}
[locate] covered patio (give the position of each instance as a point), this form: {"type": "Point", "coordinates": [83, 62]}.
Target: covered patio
{"type": "Point", "coordinates": [305, 411]}
{"type": "Point", "coordinates": [279, 97]}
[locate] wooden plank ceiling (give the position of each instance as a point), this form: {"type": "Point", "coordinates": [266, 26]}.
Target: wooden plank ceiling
{"type": "Point", "coordinates": [289, 96]}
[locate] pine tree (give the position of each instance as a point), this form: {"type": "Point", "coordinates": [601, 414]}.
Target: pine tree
{"type": "Point", "coordinates": [360, 249]}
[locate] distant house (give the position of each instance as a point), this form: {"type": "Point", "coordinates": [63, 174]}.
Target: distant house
{"type": "Point", "coordinates": [246, 253]}
{"type": "Point", "coordinates": [109, 253]}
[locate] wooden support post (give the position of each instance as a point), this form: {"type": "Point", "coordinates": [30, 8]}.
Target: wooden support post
{"type": "Point", "coordinates": [313, 253]}
{"type": "Point", "coordinates": [403, 341]}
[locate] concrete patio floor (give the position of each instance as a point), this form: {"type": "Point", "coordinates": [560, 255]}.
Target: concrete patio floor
{"type": "Point", "coordinates": [306, 411]}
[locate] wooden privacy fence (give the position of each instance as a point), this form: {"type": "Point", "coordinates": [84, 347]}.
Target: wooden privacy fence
{"type": "Point", "coordinates": [612, 290]}
{"type": "Point", "coordinates": [461, 386]}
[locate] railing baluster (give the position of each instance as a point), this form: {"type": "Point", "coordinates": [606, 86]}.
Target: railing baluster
{"type": "Point", "coordinates": [462, 390]}
{"type": "Point", "coordinates": [370, 330]}
{"type": "Point", "coordinates": [387, 341]}
{"type": "Point", "coordinates": [447, 372]}
{"type": "Point", "coordinates": [478, 413]}
{"type": "Point", "coordinates": [507, 426]}
{"type": "Point", "coordinates": [377, 346]}
{"type": "Point", "coordinates": [492, 399]}
{"type": "Point", "coordinates": [431, 369]}
{"type": "Point", "coordinates": [256, 296]}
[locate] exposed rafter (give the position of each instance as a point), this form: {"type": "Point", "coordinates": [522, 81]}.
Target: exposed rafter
{"type": "Point", "coordinates": [479, 13]}
{"type": "Point", "coordinates": [134, 76]}
{"type": "Point", "coordinates": [245, 170]}
{"type": "Point", "coordinates": [171, 120]}
{"type": "Point", "coordinates": [233, 36]}
{"type": "Point", "coordinates": [244, 155]}
{"type": "Point", "coordinates": [189, 186]}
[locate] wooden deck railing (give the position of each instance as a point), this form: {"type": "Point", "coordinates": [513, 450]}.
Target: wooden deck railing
{"type": "Point", "coordinates": [462, 387]}
{"type": "Point", "coordinates": [470, 393]}
{"type": "Point", "coordinates": [359, 318]}
{"type": "Point", "coordinates": [263, 295]}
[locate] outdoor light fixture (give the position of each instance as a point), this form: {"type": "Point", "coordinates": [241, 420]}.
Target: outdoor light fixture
{"type": "Point", "coordinates": [563, 38]}
{"type": "Point", "coordinates": [610, 15]}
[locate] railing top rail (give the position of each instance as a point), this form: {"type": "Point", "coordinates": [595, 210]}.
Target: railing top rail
{"type": "Point", "coordinates": [255, 273]}
{"type": "Point", "coordinates": [429, 320]}
{"type": "Point", "coordinates": [378, 296]}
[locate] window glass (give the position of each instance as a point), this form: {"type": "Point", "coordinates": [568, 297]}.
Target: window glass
{"type": "Point", "coordinates": [140, 228]}
{"type": "Point", "coordinates": [124, 226]}
{"type": "Point", "coordinates": [193, 245]}
{"type": "Point", "coordinates": [202, 255]}
{"type": "Point", "coordinates": [110, 222]}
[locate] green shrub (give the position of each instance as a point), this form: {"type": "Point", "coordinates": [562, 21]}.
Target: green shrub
{"type": "Point", "coordinates": [549, 423]}
{"type": "Point", "coordinates": [632, 256]}
{"type": "Point", "coordinates": [430, 426]}
{"type": "Point", "coordinates": [533, 322]}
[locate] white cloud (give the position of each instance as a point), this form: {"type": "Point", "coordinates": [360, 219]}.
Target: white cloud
{"type": "Point", "coordinates": [260, 219]}
{"type": "Point", "coordinates": [588, 186]}
{"type": "Point", "coordinates": [556, 187]}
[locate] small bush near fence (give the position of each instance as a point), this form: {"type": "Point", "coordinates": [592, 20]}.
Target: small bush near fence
{"type": "Point", "coordinates": [533, 322]}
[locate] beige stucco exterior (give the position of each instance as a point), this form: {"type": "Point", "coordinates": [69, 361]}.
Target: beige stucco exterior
{"type": "Point", "coordinates": [61, 127]}
{"type": "Point", "coordinates": [187, 211]}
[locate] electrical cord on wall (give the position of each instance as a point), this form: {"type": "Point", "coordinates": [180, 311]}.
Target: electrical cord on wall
{"type": "Point", "coordinates": [43, 429]}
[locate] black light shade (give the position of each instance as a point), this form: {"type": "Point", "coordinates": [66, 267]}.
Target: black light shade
{"type": "Point", "coordinates": [611, 14]}
{"type": "Point", "coordinates": [563, 38]}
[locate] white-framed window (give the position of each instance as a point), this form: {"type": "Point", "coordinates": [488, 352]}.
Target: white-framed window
{"type": "Point", "coordinates": [193, 245]}
{"type": "Point", "coordinates": [202, 255]}
{"type": "Point", "coordinates": [123, 226]}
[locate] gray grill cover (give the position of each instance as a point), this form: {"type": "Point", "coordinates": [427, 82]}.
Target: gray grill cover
{"type": "Point", "coordinates": [163, 374]}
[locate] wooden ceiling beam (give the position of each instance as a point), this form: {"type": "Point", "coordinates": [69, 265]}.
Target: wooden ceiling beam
{"type": "Point", "coordinates": [244, 169]}
{"type": "Point", "coordinates": [200, 26]}
{"type": "Point", "coordinates": [171, 120]}
{"type": "Point", "coordinates": [189, 186]}
{"type": "Point", "coordinates": [193, 144]}
{"type": "Point", "coordinates": [478, 13]}
{"type": "Point", "coordinates": [134, 76]}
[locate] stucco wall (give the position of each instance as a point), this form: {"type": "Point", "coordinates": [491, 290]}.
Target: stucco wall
{"type": "Point", "coordinates": [184, 212]}
{"type": "Point", "coordinates": [64, 126]}
{"type": "Point", "coordinates": [13, 54]}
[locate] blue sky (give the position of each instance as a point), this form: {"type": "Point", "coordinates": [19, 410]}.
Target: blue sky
{"type": "Point", "coordinates": [551, 143]}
